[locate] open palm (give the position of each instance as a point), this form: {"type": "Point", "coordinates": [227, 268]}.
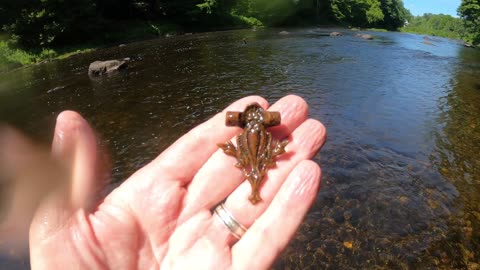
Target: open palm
{"type": "Point", "coordinates": [161, 216]}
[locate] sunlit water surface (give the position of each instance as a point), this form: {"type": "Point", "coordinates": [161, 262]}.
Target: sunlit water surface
{"type": "Point", "coordinates": [401, 184]}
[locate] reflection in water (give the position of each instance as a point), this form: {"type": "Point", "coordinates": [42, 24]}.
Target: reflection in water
{"type": "Point", "coordinates": [457, 153]}
{"type": "Point", "coordinates": [401, 165]}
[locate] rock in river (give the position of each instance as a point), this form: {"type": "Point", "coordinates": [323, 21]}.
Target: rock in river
{"type": "Point", "coordinates": [101, 67]}
{"type": "Point", "coordinates": [364, 36]}
{"type": "Point", "coordinates": [336, 34]}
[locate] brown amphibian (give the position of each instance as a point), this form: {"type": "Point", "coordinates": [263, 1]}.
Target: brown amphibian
{"type": "Point", "coordinates": [256, 150]}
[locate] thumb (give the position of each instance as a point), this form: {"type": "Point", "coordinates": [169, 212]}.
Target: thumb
{"type": "Point", "coordinates": [75, 147]}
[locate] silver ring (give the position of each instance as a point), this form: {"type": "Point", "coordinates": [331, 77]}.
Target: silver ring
{"type": "Point", "coordinates": [237, 229]}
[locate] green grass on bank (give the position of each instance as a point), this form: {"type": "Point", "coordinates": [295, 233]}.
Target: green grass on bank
{"type": "Point", "coordinates": [12, 57]}
{"type": "Point", "coordinates": [465, 36]}
{"type": "Point", "coordinates": [431, 32]}
{"type": "Point", "coordinates": [377, 29]}
{"type": "Point", "coordinates": [440, 25]}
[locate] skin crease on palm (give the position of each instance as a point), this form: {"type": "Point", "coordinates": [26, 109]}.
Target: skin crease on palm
{"type": "Point", "coordinates": [160, 218]}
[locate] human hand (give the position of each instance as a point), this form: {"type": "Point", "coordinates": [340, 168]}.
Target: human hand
{"type": "Point", "coordinates": [161, 216]}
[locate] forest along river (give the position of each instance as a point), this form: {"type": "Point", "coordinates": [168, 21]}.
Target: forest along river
{"type": "Point", "coordinates": [401, 185]}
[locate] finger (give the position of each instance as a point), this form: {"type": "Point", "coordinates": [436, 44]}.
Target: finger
{"type": "Point", "coordinates": [183, 158]}
{"type": "Point", "coordinates": [270, 234]}
{"type": "Point", "coordinates": [75, 144]}
{"type": "Point", "coordinates": [305, 142]}
{"type": "Point", "coordinates": [219, 177]}
{"type": "Point", "coordinates": [27, 175]}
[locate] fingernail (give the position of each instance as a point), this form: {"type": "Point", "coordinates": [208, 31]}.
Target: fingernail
{"type": "Point", "coordinates": [69, 125]}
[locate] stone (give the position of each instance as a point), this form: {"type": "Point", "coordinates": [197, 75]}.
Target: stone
{"type": "Point", "coordinates": [364, 36]}
{"type": "Point", "coordinates": [468, 45]}
{"type": "Point", "coordinates": [98, 68]}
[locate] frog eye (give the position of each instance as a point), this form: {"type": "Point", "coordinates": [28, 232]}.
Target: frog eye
{"type": "Point", "coordinates": [251, 116]}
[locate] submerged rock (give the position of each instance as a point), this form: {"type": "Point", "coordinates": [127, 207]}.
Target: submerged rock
{"type": "Point", "coordinates": [364, 36]}
{"type": "Point", "coordinates": [98, 68]}
{"type": "Point", "coordinates": [427, 43]}
{"type": "Point", "coordinates": [284, 33]}
{"type": "Point", "coordinates": [336, 34]}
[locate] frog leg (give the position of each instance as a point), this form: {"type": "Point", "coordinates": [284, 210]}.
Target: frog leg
{"type": "Point", "coordinates": [279, 148]}
{"type": "Point", "coordinates": [228, 148]}
{"type": "Point", "coordinates": [275, 150]}
{"type": "Point", "coordinates": [254, 198]}
{"type": "Point", "coordinates": [255, 178]}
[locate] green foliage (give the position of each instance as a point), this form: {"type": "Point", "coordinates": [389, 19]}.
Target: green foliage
{"type": "Point", "coordinates": [13, 57]}
{"type": "Point", "coordinates": [390, 14]}
{"type": "Point", "coordinates": [38, 24]}
{"type": "Point", "coordinates": [73, 52]}
{"type": "Point", "coordinates": [362, 13]}
{"type": "Point", "coordinates": [273, 12]}
{"type": "Point", "coordinates": [469, 11]}
{"type": "Point", "coordinates": [246, 21]}
{"type": "Point", "coordinates": [395, 14]}
{"type": "Point", "coordinates": [374, 13]}
{"type": "Point", "coordinates": [243, 13]}
{"type": "Point", "coordinates": [208, 6]}
{"type": "Point", "coordinates": [436, 25]}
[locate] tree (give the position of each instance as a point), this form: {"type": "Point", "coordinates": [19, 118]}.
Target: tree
{"type": "Point", "coordinates": [374, 13]}
{"type": "Point", "coordinates": [274, 12]}
{"type": "Point", "coordinates": [365, 13]}
{"type": "Point", "coordinates": [469, 11]}
{"type": "Point", "coordinates": [39, 24]}
{"type": "Point", "coordinates": [395, 14]}
{"type": "Point", "coordinates": [436, 24]}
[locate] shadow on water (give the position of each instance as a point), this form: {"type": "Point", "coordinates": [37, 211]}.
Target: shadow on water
{"type": "Point", "coordinates": [400, 187]}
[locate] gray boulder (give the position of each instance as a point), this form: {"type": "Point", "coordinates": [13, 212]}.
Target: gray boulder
{"type": "Point", "coordinates": [336, 34]}
{"type": "Point", "coordinates": [364, 36]}
{"type": "Point", "coordinates": [98, 68]}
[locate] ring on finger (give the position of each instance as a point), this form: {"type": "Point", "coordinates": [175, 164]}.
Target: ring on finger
{"type": "Point", "coordinates": [226, 217]}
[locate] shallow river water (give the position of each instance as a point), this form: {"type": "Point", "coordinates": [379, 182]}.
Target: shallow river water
{"type": "Point", "coordinates": [401, 185]}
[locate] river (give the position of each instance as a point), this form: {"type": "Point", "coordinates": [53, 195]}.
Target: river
{"type": "Point", "coordinates": [401, 184]}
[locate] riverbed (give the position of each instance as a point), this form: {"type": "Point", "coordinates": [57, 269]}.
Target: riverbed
{"type": "Point", "coordinates": [401, 167]}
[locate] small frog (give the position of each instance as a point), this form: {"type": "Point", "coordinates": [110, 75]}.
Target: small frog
{"type": "Point", "coordinates": [256, 150]}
